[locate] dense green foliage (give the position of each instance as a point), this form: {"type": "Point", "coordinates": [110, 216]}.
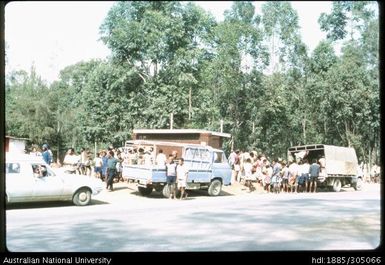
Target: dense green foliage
{"type": "Point", "coordinates": [251, 70]}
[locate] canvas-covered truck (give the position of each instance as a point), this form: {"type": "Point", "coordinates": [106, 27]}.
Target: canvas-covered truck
{"type": "Point", "coordinates": [208, 167]}
{"type": "Point", "coordinates": [340, 164]}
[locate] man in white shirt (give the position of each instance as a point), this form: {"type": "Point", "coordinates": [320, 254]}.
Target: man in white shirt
{"type": "Point", "coordinates": [161, 158]}
{"type": "Point", "coordinates": [181, 174]}
{"type": "Point", "coordinates": [71, 161]}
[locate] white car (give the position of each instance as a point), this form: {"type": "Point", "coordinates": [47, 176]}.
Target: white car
{"type": "Point", "coordinates": [29, 179]}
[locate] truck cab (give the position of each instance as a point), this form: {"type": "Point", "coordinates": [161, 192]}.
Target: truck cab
{"type": "Point", "coordinates": [208, 167]}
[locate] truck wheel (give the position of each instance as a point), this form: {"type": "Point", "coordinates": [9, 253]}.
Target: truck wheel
{"type": "Point", "coordinates": [145, 191]}
{"type": "Point", "coordinates": [215, 188]}
{"type": "Point", "coordinates": [82, 197]}
{"type": "Point", "coordinates": [337, 185]}
{"type": "Point", "coordinates": [358, 185]}
{"type": "Point", "coordinates": [166, 191]}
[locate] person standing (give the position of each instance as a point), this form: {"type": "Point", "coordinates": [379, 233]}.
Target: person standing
{"type": "Point", "coordinates": [104, 158]}
{"type": "Point", "coordinates": [247, 167]}
{"type": "Point", "coordinates": [293, 179]}
{"type": "Point", "coordinates": [98, 163]}
{"type": "Point", "coordinates": [50, 153]}
{"type": "Point", "coordinates": [285, 176]}
{"type": "Point", "coordinates": [119, 167]}
{"type": "Point", "coordinates": [46, 154]}
{"type": "Point", "coordinates": [232, 158]}
{"type": "Point", "coordinates": [314, 171]}
{"type": "Point", "coordinates": [70, 161]}
{"type": "Point", "coordinates": [181, 173]}
{"type": "Point", "coordinates": [171, 176]}
{"type": "Point", "coordinates": [83, 161]}
{"type": "Point", "coordinates": [111, 170]}
{"type": "Point", "coordinates": [35, 152]}
{"type": "Point", "coordinates": [236, 167]}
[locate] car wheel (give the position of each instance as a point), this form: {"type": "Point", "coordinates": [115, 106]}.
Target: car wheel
{"type": "Point", "coordinates": [337, 185]}
{"type": "Point", "coordinates": [82, 197]}
{"type": "Point", "coordinates": [215, 187]}
{"type": "Point", "coordinates": [358, 185]}
{"type": "Point", "coordinates": [166, 191]}
{"type": "Point", "coordinates": [145, 191]}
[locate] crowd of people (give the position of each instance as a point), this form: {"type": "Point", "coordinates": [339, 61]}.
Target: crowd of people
{"type": "Point", "coordinates": [108, 164]}
{"type": "Point", "coordinates": [249, 168]}
{"type": "Point", "coordinates": [276, 175]}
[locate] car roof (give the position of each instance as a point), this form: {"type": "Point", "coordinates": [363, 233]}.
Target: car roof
{"type": "Point", "coordinates": [23, 157]}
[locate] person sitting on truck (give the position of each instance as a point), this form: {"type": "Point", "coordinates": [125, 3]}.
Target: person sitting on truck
{"type": "Point", "coordinates": [171, 176]}
{"type": "Point", "coordinates": [147, 157]}
{"type": "Point", "coordinates": [181, 173]}
{"type": "Point", "coordinates": [161, 158]}
{"type": "Point", "coordinates": [314, 171]}
{"type": "Point", "coordinates": [322, 163]}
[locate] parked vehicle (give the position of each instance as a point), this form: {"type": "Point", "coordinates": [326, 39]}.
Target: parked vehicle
{"type": "Point", "coordinates": [340, 164]}
{"type": "Point", "coordinates": [29, 179]}
{"type": "Point", "coordinates": [207, 167]}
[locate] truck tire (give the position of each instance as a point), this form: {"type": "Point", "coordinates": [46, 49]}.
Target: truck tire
{"type": "Point", "coordinates": [166, 191]}
{"type": "Point", "coordinates": [215, 187]}
{"type": "Point", "coordinates": [337, 185]}
{"type": "Point", "coordinates": [145, 191]}
{"type": "Point", "coordinates": [358, 185]}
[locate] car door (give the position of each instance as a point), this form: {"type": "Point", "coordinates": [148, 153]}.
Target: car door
{"type": "Point", "coordinates": [47, 186]}
{"type": "Point", "coordinates": [19, 181]}
{"type": "Point", "coordinates": [221, 168]}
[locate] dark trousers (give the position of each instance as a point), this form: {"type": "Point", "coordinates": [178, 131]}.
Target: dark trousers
{"type": "Point", "coordinates": [111, 176]}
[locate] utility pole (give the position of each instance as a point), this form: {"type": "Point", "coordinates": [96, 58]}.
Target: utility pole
{"type": "Point", "coordinates": [189, 104]}
{"type": "Point", "coordinates": [221, 126]}
{"type": "Point", "coordinates": [171, 120]}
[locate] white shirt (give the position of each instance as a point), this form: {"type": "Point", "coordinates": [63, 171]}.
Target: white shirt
{"type": "Point", "coordinates": [181, 172]}
{"type": "Point", "coordinates": [247, 167]}
{"type": "Point", "coordinates": [161, 159]}
{"type": "Point", "coordinates": [70, 161]}
{"type": "Point", "coordinates": [303, 169]}
{"type": "Point", "coordinates": [98, 162]}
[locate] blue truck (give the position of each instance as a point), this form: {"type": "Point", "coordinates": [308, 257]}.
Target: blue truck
{"type": "Point", "coordinates": [208, 168]}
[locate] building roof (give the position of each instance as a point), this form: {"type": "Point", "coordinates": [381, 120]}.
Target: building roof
{"type": "Point", "coordinates": [179, 131]}
{"type": "Point", "coordinates": [17, 138]}
{"type": "Point", "coordinates": [174, 144]}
